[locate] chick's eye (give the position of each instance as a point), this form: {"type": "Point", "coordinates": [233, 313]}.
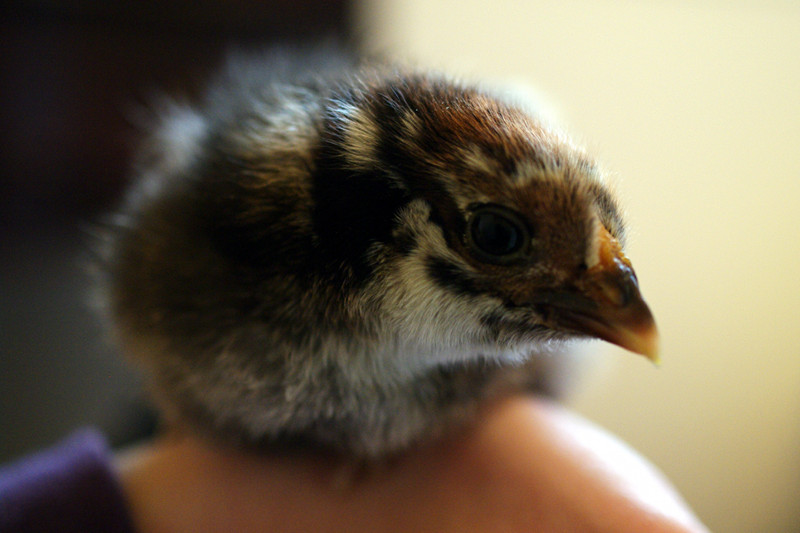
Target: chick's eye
{"type": "Point", "coordinates": [497, 233]}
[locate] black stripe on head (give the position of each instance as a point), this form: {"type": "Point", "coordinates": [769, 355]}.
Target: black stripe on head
{"type": "Point", "coordinates": [411, 158]}
{"type": "Point", "coordinates": [353, 209]}
{"type": "Point", "coordinates": [451, 277]}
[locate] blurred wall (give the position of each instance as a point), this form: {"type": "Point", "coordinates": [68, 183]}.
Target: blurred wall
{"type": "Point", "coordinates": [695, 106]}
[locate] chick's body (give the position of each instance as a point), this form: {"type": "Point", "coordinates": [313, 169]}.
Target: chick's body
{"type": "Point", "coordinates": [358, 256]}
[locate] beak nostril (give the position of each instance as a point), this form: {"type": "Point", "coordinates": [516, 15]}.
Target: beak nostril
{"type": "Point", "coordinates": [617, 283]}
{"type": "Point", "coordinates": [627, 286]}
{"type": "Point", "coordinates": [616, 293]}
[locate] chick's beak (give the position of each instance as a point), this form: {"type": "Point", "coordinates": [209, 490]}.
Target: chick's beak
{"type": "Point", "coordinates": [606, 302]}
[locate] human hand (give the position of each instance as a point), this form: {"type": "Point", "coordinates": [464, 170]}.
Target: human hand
{"type": "Point", "coordinates": [525, 465]}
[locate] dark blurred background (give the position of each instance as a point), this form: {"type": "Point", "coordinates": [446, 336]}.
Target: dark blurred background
{"type": "Point", "coordinates": [70, 74]}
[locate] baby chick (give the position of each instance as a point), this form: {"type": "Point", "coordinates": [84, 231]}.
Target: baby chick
{"type": "Point", "coordinates": [358, 256]}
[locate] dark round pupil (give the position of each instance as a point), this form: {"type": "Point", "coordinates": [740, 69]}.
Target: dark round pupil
{"type": "Point", "coordinates": [495, 234]}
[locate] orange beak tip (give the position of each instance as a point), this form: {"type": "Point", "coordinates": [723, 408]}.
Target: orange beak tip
{"type": "Point", "coordinates": [646, 343]}
{"type": "Point", "coordinates": [654, 355]}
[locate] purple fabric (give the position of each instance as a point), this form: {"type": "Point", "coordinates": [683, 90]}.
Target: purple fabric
{"type": "Point", "coordinates": [69, 488]}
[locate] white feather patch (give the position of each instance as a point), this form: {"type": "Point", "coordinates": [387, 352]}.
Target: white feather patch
{"type": "Point", "coordinates": [361, 135]}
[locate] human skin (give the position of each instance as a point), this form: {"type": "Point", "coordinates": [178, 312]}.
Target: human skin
{"type": "Point", "coordinates": [526, 464]}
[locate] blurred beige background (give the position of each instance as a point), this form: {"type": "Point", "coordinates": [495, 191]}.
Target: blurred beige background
{"type": "Point", "coordinates": [695, 106]}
